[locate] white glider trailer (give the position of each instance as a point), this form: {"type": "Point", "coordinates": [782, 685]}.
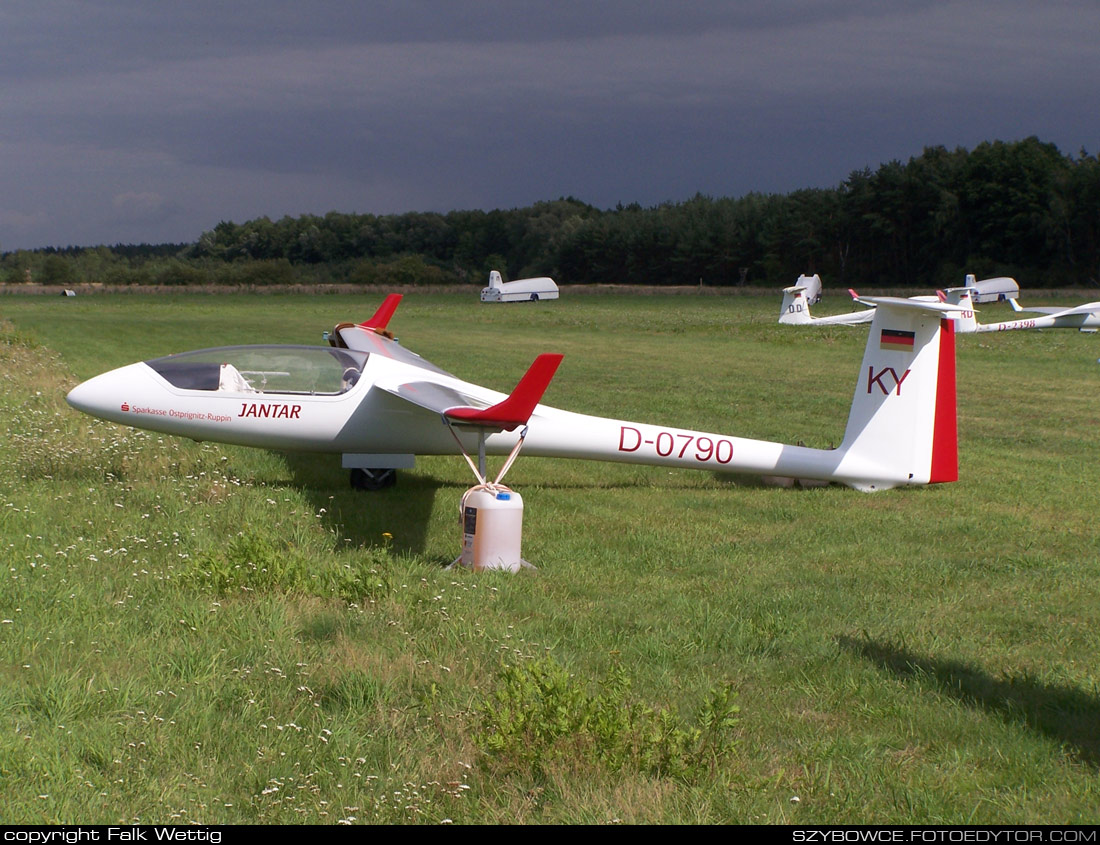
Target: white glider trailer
{"type": "Point", "coordinates": [992, 290]}
{"type": "Point", "coordinates": [521, 290]}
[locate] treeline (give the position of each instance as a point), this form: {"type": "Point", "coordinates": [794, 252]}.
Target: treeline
{"type": "Point", "coordinates": [1022, 209]}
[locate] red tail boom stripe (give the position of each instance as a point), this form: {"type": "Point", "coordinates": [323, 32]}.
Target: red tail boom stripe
{"type": "Point", "coordinates": [945, 434]}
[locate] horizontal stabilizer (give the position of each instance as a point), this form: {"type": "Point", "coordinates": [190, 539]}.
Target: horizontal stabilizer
{"type": "Point", "coordinates": [518, 407]}
{"type": "Point", "coordinates": [944, 308]}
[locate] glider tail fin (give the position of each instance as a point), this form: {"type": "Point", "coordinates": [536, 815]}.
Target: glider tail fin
{"type": "Point", "coordinates": [965, 321]}
{"type": "Point", "coordinates": [902, 426]}
{"type": "Point", "coordinates": [795, 310]}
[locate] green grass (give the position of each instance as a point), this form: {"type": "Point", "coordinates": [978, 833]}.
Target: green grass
{"type": "Point", "coordinates": [204, 633]}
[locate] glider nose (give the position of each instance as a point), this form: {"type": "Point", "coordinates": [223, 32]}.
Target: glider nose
{"type": "Point", "coordinates": [91, 396]}
{"type": "Point", "coordinates": [104, 396]}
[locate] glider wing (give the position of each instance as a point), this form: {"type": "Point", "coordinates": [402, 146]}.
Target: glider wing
{"type": "Point", "coordinates": [460, 407]}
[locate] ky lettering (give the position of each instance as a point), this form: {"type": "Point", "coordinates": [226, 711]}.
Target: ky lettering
{"type": "Point", "coordinates": [887, 380]}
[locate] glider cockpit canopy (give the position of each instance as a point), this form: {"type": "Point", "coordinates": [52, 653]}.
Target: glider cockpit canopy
{"type": "Point", "coordinates": [312, 370]}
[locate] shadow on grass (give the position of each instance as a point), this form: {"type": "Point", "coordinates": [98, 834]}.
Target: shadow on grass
{"type": "Point", "coordinates": [1065, 714]}
{"type": "Point", "coordinates": [405, 510]}
{"type": "Point", "coordinates": [761, 482]}
{"type": "Point", "coordinates": [362, 517]}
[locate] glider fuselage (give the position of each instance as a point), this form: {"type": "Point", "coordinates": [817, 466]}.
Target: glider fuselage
{"type": "Point", "coordinates": [379, 405]}
{"type": "Point", "coordinates": [364, 419]}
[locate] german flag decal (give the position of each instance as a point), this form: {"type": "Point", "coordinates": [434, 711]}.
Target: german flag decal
{"type": "Point", "coordinates": [896, 340]}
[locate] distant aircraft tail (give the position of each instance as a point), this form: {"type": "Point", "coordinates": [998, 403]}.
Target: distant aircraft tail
{"type": "Point", "coordinates": [965, 321]}
{"type": "Point", "coordinates": [797, 299]}
{"type": "Point", "coordinates": [902, 424]}
{"type": "Point", "coordinates": [795, 310]}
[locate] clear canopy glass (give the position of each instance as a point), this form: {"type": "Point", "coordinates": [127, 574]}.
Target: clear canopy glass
{"type": "Point", "coordinates": [313, 370]}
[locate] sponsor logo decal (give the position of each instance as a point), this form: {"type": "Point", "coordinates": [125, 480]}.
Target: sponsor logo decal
{"type": "Point", "coordinates": [190, 416]}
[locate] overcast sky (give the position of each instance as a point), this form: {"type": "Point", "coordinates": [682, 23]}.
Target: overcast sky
{"type": "Point", "coordinates": [128, 121]}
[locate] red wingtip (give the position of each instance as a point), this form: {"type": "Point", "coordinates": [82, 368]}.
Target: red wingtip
{"type": "Point", "coordinates": [383, 314]}
{"type": "Point", "coordinates": [853, 294]}
{"type": "Point", "coordinates": [941, 296]}
{"type": "Point", "coordinates": [516, 410]}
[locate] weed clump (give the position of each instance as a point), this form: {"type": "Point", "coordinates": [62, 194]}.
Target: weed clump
{"type": "Point", "coordinates": [250, 562]}
{"type": "Point", "coordinates": [540, 714]}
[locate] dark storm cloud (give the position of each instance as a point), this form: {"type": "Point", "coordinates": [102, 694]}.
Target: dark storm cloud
{"type": "Point", "coordinates": [43, 36]}
{"type": "Point", "coordinates": [227, 111]}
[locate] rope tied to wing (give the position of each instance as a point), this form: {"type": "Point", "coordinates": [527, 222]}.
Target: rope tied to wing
{"type": "Point", "coordinates": [482, 480]}
{"type": "Point", "coordinates": [483, 483]}
{"type": "Point", "coordinates": [494, 488]}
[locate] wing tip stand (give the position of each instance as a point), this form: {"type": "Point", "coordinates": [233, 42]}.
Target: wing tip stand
{"type": "Point", "coordinates": [376, 324]}
{"type": "Point", "coordinates": [516, 409]}
{"type": "Point", "coordinates": [382, 316]}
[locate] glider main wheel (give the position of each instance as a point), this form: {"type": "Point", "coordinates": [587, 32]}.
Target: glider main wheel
{"type": "Point", "coordinates": [373, 479]}
{"type": "Point", "coordinates": [534, 297]}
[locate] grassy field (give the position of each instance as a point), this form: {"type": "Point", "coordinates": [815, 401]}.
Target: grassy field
{"type": "Point", "coordinates": [203, 633]}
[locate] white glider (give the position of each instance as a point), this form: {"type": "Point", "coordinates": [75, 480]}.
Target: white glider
{"type": "Point", "coordinates": [795, 310]}
{"type": "Point", "coordinates": [1085, 317]}
{"type": "Point", "coordinates": [377, 404]}
{"type": "Point", "coordinates": [797, 299]}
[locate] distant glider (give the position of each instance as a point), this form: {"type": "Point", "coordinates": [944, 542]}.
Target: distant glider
{"type": "Point", "coordinates": [795, 310]}
{"type": "Point", "coordinates": [1085, 317]}
{"type": "Point", "coordinates": [369, 399]}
